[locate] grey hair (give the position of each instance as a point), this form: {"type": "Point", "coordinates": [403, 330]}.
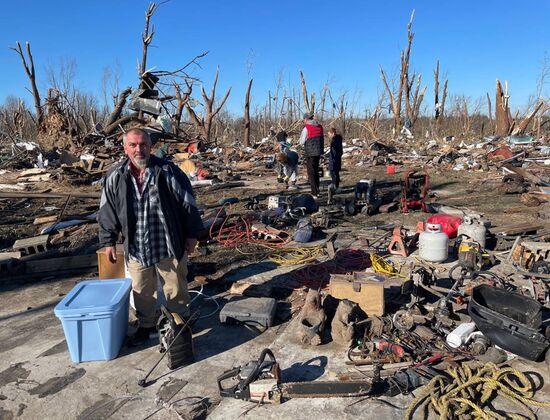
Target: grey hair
{"type": "Point", "coordinates": [136, 130]}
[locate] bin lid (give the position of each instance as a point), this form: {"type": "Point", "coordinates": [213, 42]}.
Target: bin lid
{"type": "Point", "coordinates": [93, 296]}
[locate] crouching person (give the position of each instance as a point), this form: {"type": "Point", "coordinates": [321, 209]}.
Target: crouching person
{"type": "Point", "coordinates": [282, 147]}
{"type": "Point", "coordinates": [289, 163]}
{"type": "Point", "coordinates": [150, 202]}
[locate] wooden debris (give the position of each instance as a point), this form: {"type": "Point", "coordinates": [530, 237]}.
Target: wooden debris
{"type": "Point", "coordinates": [45, 219]}
{"type": "Point", "coordinates": [512, 230]}
{"type": "Point", "coordinates": [49, 195]}
{"type": "Point", "coordinates": [61, 263]}
{"type": "Point", "coordinates": [251, 289]}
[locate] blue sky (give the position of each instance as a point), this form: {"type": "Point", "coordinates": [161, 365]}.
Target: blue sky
{"type": "Point", "coordinates": [344, 42]}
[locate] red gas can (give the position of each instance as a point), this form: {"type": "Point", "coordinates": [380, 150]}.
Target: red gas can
{"type": "Point", "coordinates": [449, 223]}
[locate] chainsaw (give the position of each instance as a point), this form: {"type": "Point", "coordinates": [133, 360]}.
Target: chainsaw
{"type": "Point", "coordinates": [260, 381]}
{"type": "Point", "coordinates": [471, 259]}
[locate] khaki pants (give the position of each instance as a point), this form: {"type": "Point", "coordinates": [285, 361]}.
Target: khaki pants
{"type": "Point", "coordinates": [173, 278]}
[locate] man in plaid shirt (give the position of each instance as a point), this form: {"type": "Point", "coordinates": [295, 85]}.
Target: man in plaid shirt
{"type": "Point", "coordinates": [150, 202]}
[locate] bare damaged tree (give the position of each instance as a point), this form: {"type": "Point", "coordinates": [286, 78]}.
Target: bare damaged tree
{"type": "Point", "coordinates": [204, 122]}
{"type": "Point", "coordinates": [412, 103]}
{"type": "Point", "coordinates": [247, 115]}
{"type": "Point", "coordinates": [372, 121]}
{"type": "Point", "coordinates": [405, 86]}
{"type": "Point", "coordinates": [310, 105]}
{"type": "Point", "coordinates": [544, 73]}
{"type": "Point", "coordinates": [147, 37]}
{"type": "Point", "coordinates": [502, 110]}
{"type": "Point", "coordinates": [28, 65]}
{"type": "Point", "coordinates": [521, 127]}
{"type": "Point", "coordinates": [489, 109]}
{"type": "Point", "coordinates": [323, 100]}
{"type": "Point", "coordinates": [182, 98]}
{"type": "Point", "coordinates": [439, 104]}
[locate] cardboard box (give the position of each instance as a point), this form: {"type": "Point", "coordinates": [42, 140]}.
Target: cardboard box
{"type": "Point", "coordinates": [361, 288]}
{"type": "Point", "coordinates": [107, 270]}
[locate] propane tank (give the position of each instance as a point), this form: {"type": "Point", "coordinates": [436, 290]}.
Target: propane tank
{"type": "Point", "coordinates": [433, 244]}
{"type": "Point", "coordinates": [473, 229]}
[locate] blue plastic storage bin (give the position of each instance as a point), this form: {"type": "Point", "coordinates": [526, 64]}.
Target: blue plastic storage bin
{"type": "Point", "coordinates": [94, 316]}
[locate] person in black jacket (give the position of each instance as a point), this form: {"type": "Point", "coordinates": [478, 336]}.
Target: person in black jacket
{"type": "Point", "coordinates": [312, 139]}
{"type": "Point", "coordinates": [150, 202]}
{"type": "Point", "coordinates": [335, 157]}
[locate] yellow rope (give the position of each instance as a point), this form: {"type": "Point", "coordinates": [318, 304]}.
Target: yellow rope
{"type": "Point", "coordinates": [468, 393]}
{"type": "Point", "coordinates": [381, 266]}
{"type": "Point", "coordinates": [295, 256]}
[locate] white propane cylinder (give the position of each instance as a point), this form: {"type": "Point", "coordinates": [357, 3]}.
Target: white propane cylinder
{"type": "Point", "coordinates": [473, 229]}
{"type": "Point", "coordinates": [433, 244]}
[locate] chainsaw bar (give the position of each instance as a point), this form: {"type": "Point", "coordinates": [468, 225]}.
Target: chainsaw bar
{"type": "Point", "coordinates": [324, 389]}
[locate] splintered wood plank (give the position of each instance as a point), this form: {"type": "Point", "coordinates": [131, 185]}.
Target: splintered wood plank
{"type": "Point", "coordinates": [61, 263]}
{"type": "Point", "coordinates": [516, 229]}
{"type": "Point", "coordinates": [44, 219]}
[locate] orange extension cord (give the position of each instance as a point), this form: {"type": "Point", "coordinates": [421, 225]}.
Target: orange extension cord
{"type": "Point", "coordinates": [236, 232]}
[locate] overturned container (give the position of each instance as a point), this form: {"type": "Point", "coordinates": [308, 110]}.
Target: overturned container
{"type": "Point", "coordinates": [510, 320]}
{"type": "Point", "coordinates": [433, 244]}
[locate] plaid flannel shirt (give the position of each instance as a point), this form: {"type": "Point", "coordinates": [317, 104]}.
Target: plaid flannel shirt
{"type": "Point", "coordinates": [150, 243]}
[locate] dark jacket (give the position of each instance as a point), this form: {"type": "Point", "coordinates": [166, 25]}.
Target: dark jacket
{"type": "Point", "coordinates": [292, 157]}
{"type": "Point", "coordinates": [314, 143]}
{"type": "Point", "coordinates": [335, 153]}
{"type": "Point", "coordinates": [176, 198]}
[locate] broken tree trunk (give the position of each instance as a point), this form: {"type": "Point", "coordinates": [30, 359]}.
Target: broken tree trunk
{"type": "Point", "coordinates": [120, 103]}
{"type": "Point", "coordinates": [404, 87]}
{"type": "Point", "coordinates": [395, 101]}
{"type": "Point", "coordinates": [439, 103]}
{"type": "Point", "coordinates": [304, 92]}
{"type": "Point", "coordinates": [146, 37]}
{"type": "Point", "coordinates": [247, 115]}
{"type": "Point", "coordinates": [112, 128]}
{"type": "Point", "coordinates": [31, 74]}
{"type": "Point", "coordinates": [522, 126]}
{"type": "Point", "coordinates": [182, 98]}
{"type": "Point", "coordinates": [489, 109]}
{"type": "Point", "coordinates": [502, 111]}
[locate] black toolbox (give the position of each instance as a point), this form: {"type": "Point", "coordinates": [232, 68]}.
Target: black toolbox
{"type": "Point", "coordinates": [249, 310]}
{"type": "Point", "coordinates": [510, 320]}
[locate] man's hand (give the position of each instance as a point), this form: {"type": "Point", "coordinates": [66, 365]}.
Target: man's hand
{"type": "Point", "coordinates": [111, 254]}
{"type": "Point", "coordinates": [190, 245]}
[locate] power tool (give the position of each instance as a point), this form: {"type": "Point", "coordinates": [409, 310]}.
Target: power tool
{"type": "Point", "coordinates": [259, 381]}
{"type": "Point", "coordinates": [175, 338]}
{"type": "Point", "coordinates": [175, 341]}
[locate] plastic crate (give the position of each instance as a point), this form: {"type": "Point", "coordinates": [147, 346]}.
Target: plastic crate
{"type": "Point", "coordinates": [94, 316]}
